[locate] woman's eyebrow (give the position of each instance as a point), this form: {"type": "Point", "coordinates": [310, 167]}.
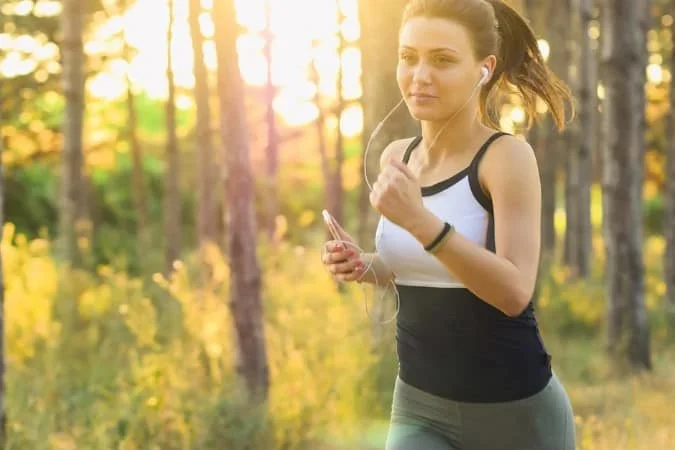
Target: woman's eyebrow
{"type": "Point", "coordinates": [434, 50]}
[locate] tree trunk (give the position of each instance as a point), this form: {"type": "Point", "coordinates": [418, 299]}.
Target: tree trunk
{"type": "Point", "coordinates": [543, 140]}
{"type": "Point", "coordinates": [547, 153]}
{"type": "Point", "coordinates": [272, 205]}
{"type": "Point", "coordinates": [139, 191]}
{"type": "Point", "coordinates": [623, 151]}
{"type": "Point", "coordinates": [587, 119]}
{"type": "Point", "coordinates": [206, 201]}
{"type": "Point", "coordinates": [72, 184]}
{"type": "Point", "coordinates": [245, 293]}
{"type": "Point", "coordinates": [557, 144]}
{"type": "Point", "coordinates": [320, 124]}
{"type": "Point", "coordinates": [172, 207]}
{"type": "Point", "coordinates": [335, 187]}
{"type": "Point", "coordinates": [3, 410]}
{"type": "Point", "coordinates": [379, 56]}
{"type": "Point", "coordinates": [669, 228]}
{"type": "Point", "coordinates": [140, 204]}
{"type": "Point", "coordinates": [572, 168]}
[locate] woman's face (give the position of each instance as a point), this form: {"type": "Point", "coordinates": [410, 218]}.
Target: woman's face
{"type": "Point", "coordinates": [437, 70]}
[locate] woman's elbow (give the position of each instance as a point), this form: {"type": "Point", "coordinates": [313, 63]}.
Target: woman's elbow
{"type": "Point", "coordinates": [518, 300]}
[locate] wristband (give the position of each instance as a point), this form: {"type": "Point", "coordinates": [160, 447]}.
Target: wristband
{"type": "Point", "coordinates": [440, 239]}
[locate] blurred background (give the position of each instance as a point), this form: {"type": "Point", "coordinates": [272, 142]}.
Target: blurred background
{"type": "Point", "coordinates": [164, 165]}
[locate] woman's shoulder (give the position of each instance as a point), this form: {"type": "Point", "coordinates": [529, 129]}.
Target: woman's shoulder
{"type": "Point", "coordinates": [395, 149]}
{"type": "Point", "coordinates": [510, 151]}
{"type": "Point", "coordinates": [510, 160]}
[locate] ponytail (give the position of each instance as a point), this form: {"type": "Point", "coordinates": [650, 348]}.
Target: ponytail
{"type": "Point", "coordinates": [520, 64]}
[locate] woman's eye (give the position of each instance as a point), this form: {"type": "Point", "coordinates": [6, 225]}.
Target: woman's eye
{"type": "Point", "coordinates": [442, 60]}
{"type": "Point", "coordinates": [406, 57]}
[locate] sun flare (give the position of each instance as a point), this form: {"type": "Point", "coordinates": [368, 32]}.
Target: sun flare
{"type": "Point", "coordinates": [298, 40]}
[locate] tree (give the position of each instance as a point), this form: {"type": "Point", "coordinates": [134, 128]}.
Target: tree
{"type": "Point", "coordinates": [332, 163]}
{"type": "Point", "coordinates": [271, 179]}
{"type": "Point", "coordinates": [71, 207]}
{"type": "Point", "coordinates": [587, 129]}
{"type": "Point", "coordinates": [623, 151]}
{"type": "Point", "coordinates": [206, 200]}
{"type": "Point", "coordinates": [669, 262]}
{"type": "Point", "coordinates": [139, 189]}
{"type": "Point", "coordinates": [320, 125]}
{"type": "Point", "coordinates": [335, 189]}
{"type": "Point", "coordinates": [543, 137]}
{"type": "Point", "coordinates": [28, 85]}
{"type": "Point", "coordinates": [245, 291]}
{"type": "Point", "coordinates": [379, 56]}
{"type": "Point", "coordinates": [3, 411]}
{"type": "Point", "coordinates": [572, 140]}
{"type": "Point", "coordinates": [172, 207]}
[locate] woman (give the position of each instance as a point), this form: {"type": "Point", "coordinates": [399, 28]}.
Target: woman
{"type": "Point", "coordinates": [459, 234]}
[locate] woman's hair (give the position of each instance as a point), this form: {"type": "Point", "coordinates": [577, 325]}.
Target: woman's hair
{"type": "Point", "coordinates": [497, 29]}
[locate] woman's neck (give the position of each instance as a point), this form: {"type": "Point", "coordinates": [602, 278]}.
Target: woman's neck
{"type": "Point", "coordinates": [454, 138]}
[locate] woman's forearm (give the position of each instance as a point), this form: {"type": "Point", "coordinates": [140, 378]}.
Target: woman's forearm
{"type": "Point", "coordinates": [494, 279]}
{"type": "Point", "coordinates": [378, 273]}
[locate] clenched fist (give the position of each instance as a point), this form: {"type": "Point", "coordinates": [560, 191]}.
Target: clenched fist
{"type": "Point", "coordinates": [397, 195]}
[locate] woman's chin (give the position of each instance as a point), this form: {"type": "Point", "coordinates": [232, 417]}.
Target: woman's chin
{"type": "Point", "coordinates": [424, 114]}
{"type": "Point", "coordinates": [424, 111]}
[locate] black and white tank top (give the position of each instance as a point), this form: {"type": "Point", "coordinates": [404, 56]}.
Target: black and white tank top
{"type": "Point", "coordinates": [458, 200]}
{"type": "Point", "coordinates": [450, 342]}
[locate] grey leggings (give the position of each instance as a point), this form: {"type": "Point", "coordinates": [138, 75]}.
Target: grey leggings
{"type": "Point", "coordinates": [421, 421]}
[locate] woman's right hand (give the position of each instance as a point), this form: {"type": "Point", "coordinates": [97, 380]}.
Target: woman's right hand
{"type": "Point", "coordinates": [342, 258]}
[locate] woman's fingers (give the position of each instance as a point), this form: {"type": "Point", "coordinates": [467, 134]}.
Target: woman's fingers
{"type": "Point", "coordinates": [343, 262]}
{"type": "Point", "coordinates": [346, 267]}
{"type": "Point", "coordinates": [334, 253]}
{"type": "Point", "coordinates": [354, 275]}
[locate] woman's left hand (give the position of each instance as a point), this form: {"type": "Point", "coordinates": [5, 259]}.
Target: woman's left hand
{"type": "Point", "coordinates": [397, 195]}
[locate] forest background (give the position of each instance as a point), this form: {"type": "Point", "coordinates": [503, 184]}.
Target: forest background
{"type": "Point", "coordinates": [161, 277]}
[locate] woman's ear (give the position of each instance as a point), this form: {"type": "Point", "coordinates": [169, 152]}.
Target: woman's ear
{"type": "Point", "coordinates": [490, 63]}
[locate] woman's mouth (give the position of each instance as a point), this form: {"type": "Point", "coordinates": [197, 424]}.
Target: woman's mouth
{"type": "Point", "coordinates": [419, 97]}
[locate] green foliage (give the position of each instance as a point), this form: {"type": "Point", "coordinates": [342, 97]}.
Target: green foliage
{"type": "Point", "coordinates": [31, 196]}
{"type": "Point", "coordinates": [231, 424]}
{"type": "Point", "coordinates": [576, 307]}
{"type": "Point", "coordinates": [30, 199]}
{"type": "Point", "coordinates": [654, 215]}
{"type": "Point", "coordinates": [114, 215]}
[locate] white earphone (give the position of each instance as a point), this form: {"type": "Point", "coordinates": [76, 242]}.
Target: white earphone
{"type": "Point", "coordinates": [486, 73]}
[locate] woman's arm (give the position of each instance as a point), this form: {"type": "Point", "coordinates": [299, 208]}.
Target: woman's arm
{"type": "Point", "coordinates": [379, 273]}
{"type": "Point", "coordinates": [506, 278]}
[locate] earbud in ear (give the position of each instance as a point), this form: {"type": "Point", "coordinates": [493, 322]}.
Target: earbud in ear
{"type": "Point", "coordinates": [485, 72]}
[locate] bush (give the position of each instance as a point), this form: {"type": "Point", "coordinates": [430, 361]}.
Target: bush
{"type": "Point", "coordinates": [107, 360]}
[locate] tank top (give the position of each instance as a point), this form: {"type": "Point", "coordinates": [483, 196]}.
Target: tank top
{"type": "Point", "coordinates": [449, 342]}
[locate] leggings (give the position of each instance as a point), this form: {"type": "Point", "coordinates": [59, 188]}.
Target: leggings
{"type": "Point", "coordinates": [422, 421]}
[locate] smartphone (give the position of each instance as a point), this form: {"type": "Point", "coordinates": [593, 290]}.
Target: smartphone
{"type": "Point", "coordinates": [331, 226]}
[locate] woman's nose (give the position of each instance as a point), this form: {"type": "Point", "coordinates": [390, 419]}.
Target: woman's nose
{"type": "Point", "coordinates": [422, 74]}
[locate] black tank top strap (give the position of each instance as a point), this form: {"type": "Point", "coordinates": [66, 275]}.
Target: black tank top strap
{"type": "Point", "coordinates": [411, 147]}
{"type": "Point", "coordinates": [477, 190]}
